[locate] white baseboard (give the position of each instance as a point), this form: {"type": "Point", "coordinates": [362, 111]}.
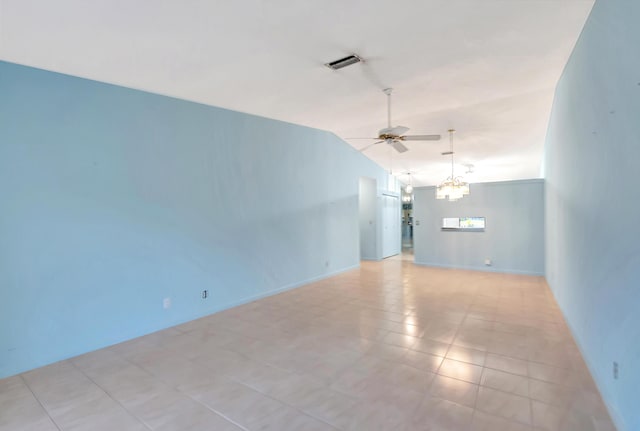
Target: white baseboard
{"type": "Point", "coordinates": [481, 268]}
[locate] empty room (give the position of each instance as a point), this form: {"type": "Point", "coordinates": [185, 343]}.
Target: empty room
{"type": "Point", "coordinates": [270, 215]}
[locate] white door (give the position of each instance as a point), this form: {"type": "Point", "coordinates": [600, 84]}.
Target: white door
{"type": "Point", "coordinates": [391, 232]}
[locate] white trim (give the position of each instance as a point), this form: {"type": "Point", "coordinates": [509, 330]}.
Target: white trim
{"type": "Point", "coordinates": [170, 324]}
{"type": "Point", "coordinates": [481, 268]}
{"type": "Point", "coordinates": [280, 289]}
{"type": "Point", "coordinates": [616, 417]}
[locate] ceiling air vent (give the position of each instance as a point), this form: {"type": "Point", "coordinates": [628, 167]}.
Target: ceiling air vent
{"type": "Point", "coordinates": [343, 62]}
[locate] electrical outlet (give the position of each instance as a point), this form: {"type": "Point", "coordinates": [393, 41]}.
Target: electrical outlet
{"type": "Point", "coordinates": [487, 262]}
{"type": "Point", "coordinates": [615, 370]}
{"type": "Point", "coordinates": [166, 303]}
{"type": "Point", "coordinates": [205, 294]}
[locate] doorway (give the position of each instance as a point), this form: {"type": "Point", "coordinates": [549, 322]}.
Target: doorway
{"type": "Point", "coordinates": [379, 220]}
{"type": "Point", "coordinates": [407, 224]}
{"type": "Point", "coordinates": [390, 225]}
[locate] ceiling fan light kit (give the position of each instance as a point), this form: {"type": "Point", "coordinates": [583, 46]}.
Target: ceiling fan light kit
{"type": "Point", "coordinates": [453, 187]}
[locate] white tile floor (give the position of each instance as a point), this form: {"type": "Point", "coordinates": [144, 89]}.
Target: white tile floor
{"type": "Point", "coordinates": [391, 346]}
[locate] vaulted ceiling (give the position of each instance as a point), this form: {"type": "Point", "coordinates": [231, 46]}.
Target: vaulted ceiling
{"type": "Point", "coordinates": [486, 68]}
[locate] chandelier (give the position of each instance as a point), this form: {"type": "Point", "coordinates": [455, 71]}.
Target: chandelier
{"type": "Point", "coordinates": [453, 187]}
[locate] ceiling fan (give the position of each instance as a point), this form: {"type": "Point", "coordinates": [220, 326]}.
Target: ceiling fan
{"type": "Point", "coordinates": [394, 136]}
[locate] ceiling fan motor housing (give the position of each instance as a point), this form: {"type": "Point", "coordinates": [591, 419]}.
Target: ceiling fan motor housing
{"type": "Point", "coordinates": [392, 132]}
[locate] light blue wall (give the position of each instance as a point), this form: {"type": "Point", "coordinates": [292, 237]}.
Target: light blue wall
{"type": "Point", "coordinates": [113, 199]}
{"type": "Point", "coordinates": [514, 234]}
{"type": "Point", "coordinates": [593, 201]}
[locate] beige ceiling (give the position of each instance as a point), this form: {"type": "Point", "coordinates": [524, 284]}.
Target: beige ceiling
{"type": "Point", "coordinates": [487, 68]}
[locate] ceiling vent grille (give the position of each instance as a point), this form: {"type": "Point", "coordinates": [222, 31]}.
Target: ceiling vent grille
{"type": "Point", "coordinates": [343, 62]}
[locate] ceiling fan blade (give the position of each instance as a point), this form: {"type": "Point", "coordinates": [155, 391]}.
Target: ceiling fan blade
{"type": "Point", "coordinates": [399, 147]}
{"type": "Point", "coordinates": [420, 138]}
{"type": "Point", "coordinates": [350, 139]}
{"type": "Point", "coordinates": [369, 146]}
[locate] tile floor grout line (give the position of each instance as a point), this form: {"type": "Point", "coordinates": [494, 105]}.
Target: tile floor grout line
{"type": "Point", "coordinates": [530, 406]}
{"type": "Point", "coordinates": [172, 386]}
{"type": "Point", "coordinates": [477, 389]}
{"type": "Point", "coordinates": [382, 298]}
{"type": "Point", "coordinates": [73, 364]}
{"type": "Point", "coordinates": [222, 415]}
{"type": "Point", "coordinates": [261, 393]}
{"type": "Point", "coordinates": [24, 381]}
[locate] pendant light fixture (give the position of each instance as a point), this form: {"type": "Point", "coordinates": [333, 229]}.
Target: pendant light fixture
{"type": "Point", "coordinates": [453, 187]}
{"type": "Point", "coordinates": [409, 187]}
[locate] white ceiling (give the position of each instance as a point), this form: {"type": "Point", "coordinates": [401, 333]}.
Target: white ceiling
{"type": "Point", "coordinates": [486, 68]}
